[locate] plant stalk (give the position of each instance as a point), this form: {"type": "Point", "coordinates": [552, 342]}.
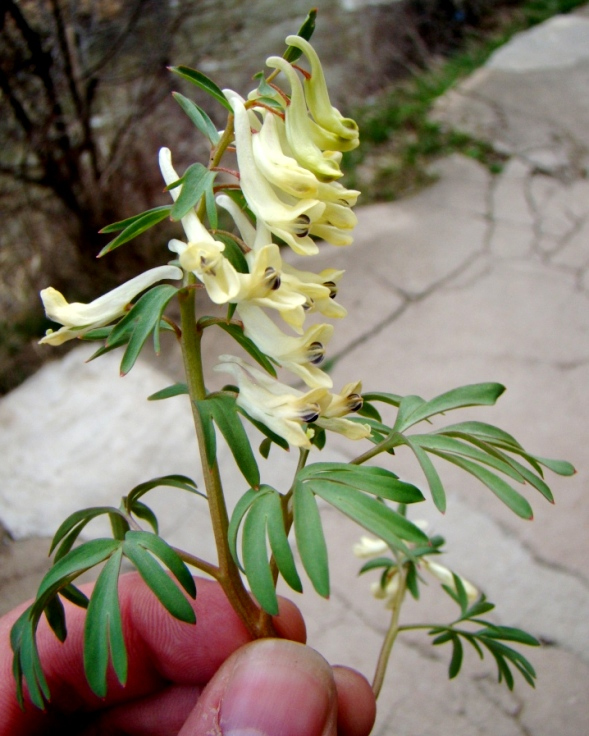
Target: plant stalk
{"type": "Point", "coordinates": [258, 624]}
{"type": "Point", "coordinates": [391, 635]}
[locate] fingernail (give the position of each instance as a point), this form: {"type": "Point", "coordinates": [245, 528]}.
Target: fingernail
{"type": "Point", "coordinates": [278, 687]}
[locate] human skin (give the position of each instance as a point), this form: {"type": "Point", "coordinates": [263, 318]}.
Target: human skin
{"type": "Point", "coordinates": [190, 680]}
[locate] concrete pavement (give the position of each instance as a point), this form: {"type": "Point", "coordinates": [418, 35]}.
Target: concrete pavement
{"type": "Point", "coordinates": [476, 278]}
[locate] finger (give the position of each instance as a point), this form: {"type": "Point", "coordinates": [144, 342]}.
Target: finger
{"type": "Point", "coordinates": [268, 687]}
{"type": "Point", "coordinates": [356, 704]}
{"type": "Point", "coordinates": [161, 650]}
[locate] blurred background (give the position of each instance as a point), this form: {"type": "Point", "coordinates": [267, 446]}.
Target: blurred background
{"type": "Point", "coordinates": [85, 105]}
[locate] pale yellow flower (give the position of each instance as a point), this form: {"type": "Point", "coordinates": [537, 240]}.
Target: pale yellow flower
{"type": "Point", "coordinates": [291, 222]}
{"type": "Point", "coordinates": [281, 408]}
{"type": "Point", "coordinates": [301, 130]}
{"type": "Point", "coordinates": [78, 318]}
{"type": "Point", "coordinates": [300, 355]}
{"type": "Point", "coordinates": [317, 96]}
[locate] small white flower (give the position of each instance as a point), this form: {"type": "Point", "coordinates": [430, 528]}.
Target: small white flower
{"type": "Point", "coordinates": [78, 318]}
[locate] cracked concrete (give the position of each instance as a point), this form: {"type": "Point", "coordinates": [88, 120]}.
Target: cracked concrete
{"type": "Point", "coordinates": [476, 278]}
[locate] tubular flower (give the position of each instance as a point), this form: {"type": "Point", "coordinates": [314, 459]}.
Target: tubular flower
{"type": "Point", "coordinates": [301, 355]}
{"type": "Point", "coordinates": [368, 547]}
{"type": "Point", "coordinates": [202, 255]}
{"type": "Point", "coordinates": [322, 301]}
{"type": "Point", "coordinates": [281, 408]}
{"type": "Point", "coordinates": [281, 170]}
{"type": "Point", "coordinates": [289, 222]}
{"type": "Point", "coordinates": [445, 576]}
{"type": "Point", "coordinates": [317, 96]}
{"type": "Point", "coordinates": [335, 406]}
{"type": "Point", "coordinates": [78, 319]}
{"type": "Point", "coordinates": [301, 131]}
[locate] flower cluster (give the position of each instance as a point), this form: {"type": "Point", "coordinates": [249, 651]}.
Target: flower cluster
{"type": "Point", "coordinates": [288, 157]}
{"type": "Point", "coordinates": [288, 149]}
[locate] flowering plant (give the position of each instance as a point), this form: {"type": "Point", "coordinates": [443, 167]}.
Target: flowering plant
{"type": "Point", "coordinates": [275, 170]}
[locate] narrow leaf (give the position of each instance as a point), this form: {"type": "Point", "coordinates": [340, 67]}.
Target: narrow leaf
{"type": "Point", "coordinates": [255, 556]}
{"type": "Point", "coordinates": [161, 549]}
{"type": "Point", "coordinates": [195, 182]}
{"type": "Point", "coordinates": [479, 394]}
{"type": "Point", "coordinates": [137, 225]}
{"type": "Point", "coordinates": [142, 319]}
{"type": "Point", "coordinates": [279, 542]}
{"type": "Point", "coordinates": [310, 538]}
{"type": "Point", "coordinates": [240, 510]}
{"type": "Point", "coordinates": [198, 116]}
{"type": "Point", "coordinates": [305, 31]}
{"type": "Point", "coordinates": [373, 515]}
{"type": "Point", "coordinates": [166, 591]}
{"type": "Point", "coordinates": [236, 333]}
{"type": "Point", "coordinates": [510, 497]}
{"type": "Point", "coordinates": [431, 474]}
{"type": "Point", "coordinates": [103, 633]}
{"type": "Point", "coordinates": [224, 412]}
{"type": "Point", "coordinates": [456, 661]}
{"type": "Point", "coordinates": [203, 82]}
{"type": "Point", "coordinates": [177, 389]}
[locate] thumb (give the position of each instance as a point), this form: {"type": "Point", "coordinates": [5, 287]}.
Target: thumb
{"type": "Point", "coordinates": [266, 688]}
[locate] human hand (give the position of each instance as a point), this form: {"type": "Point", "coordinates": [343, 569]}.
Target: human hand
{"type": "Point", "coordinates": [190, 681]}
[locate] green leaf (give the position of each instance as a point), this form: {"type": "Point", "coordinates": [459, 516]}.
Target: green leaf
{"type": "Point", "coordinates": [305, 31]}
{"type": "Point", "coordinates": [240, 510]}
{"type": "Point", "coordinates": [560, 467]}
{"type": "Point", "coordinates": [75, 596]}
{"type": "Point", "coordinates": [377, 563]}
{"type": "Point", "coordinates": [279, 541]}
{"type": "Point", "coordinates": [371, 514]}
{"type": "Point", "coordinates": [196, 180]}
{"type": "Point", "coordinates": [79, 518]}
{"type": "Point", "coordinates": [224, 412]}
{"type": "Point", "coordinates": [236, 333]}
{"type": "Point", "coordinates": [310, 538]}
{"type": "Point", "coordinates": [167, 555]}
{"type": "Point", "coordinates": [178, 389]}
{"type": "Point", "coordinates": [456, 661]}
{"type": "Point", "coordinates": [203, 82]}
{"type": "Point", "coordinates": [367, 410]}
{"type": "Point", "coordinates": [509, 633]}
{"type": "Point", "coordinates": [182, 482]}
{"type": "Point", "coordinates": [55, 615]}
{"type": "Point", "coordinates": [141, 511]}
{"type": "Point", "coordinates": [26, 663]}
{"type": "Point", "coordinates": [510, 497]}
{"type": "Point", "coordinates": [433, 479]}
{"type": "Point", "coordinates": [103, 631]}
{"type": "Point", "coordinates": [233, 252]}
{"type": "Point", "coordinates": [167, 592]}
{"type": "Point", "coordinates": [375, 480]}
{"type": "Point", "coordinates": [461, 595]}
{"type": "Point", "coordinates": [211, 208]}
{"type": "Point", "coordinates": [77, 561]}
{"type": "Point", "coordinates": [255, 555]}
{"type": "Point", "coordinates": [479, 394]}
{"type": "Point", "coordinates": [386, 398]}
{"type": "Point", "coordinates": [143, 318]}
{"type": "Point", "coordinates": [134, 226]}
{"type": "Point", "coordinates": [198, 116]}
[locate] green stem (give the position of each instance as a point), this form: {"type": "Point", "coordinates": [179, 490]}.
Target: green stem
{"type": "Point", "coordinates": [195, 561]}
{"type": "Point", "coordinates": [228, 575]}
{"type": "Point", "coordinates": [391, 635]}
{"type": "Point", "coordinates": [393, 440]}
